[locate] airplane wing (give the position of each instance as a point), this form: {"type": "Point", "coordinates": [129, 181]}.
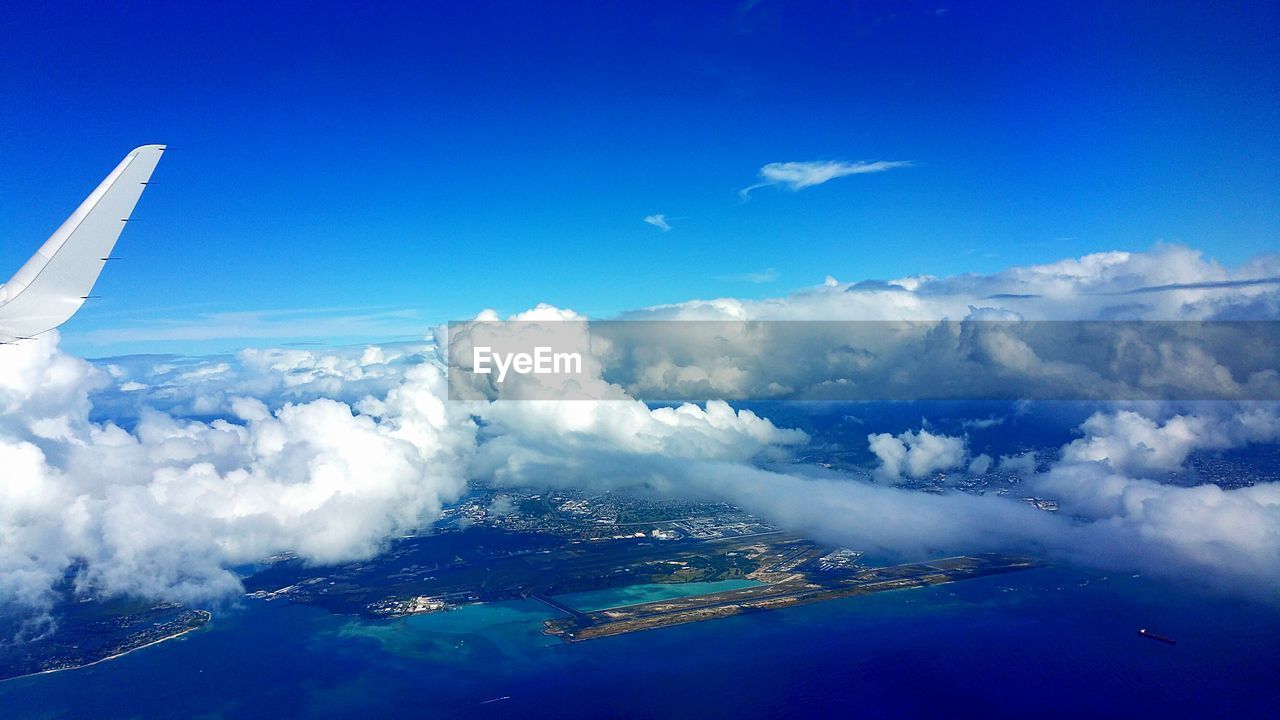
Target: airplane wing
{"type": "Point", "coordinates": [55, 282]}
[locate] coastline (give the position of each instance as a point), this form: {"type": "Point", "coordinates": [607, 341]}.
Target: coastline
{"type": "Point", "coordinates": [208, 617]}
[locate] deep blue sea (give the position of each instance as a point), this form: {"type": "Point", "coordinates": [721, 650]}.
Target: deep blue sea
{"type": "Point", "coordinates": [1053, 642]}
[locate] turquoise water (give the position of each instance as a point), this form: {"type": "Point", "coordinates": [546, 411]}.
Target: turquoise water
{"type": "Point", "coordinates": [1049, 642]}
{"type": "Point", "coordinates": [650, 592]}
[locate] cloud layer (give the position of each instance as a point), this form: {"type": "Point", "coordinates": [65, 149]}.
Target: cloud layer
{"type": "Point", "coordinates": [154, 476]}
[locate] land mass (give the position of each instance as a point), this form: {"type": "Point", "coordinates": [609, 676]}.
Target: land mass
{"type": "Point", "coordinates": [506, 546]}
{"type": "Point", "coordinates": [93, 631]}
{"type": "Point", "coordinates": [798, 589]}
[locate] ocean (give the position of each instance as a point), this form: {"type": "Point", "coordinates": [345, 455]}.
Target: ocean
{"type": "Point", "coordinates": [1050, 642]}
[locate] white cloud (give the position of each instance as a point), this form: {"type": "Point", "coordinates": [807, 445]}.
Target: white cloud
{"type": "Point", "coordinates": [1215, 535]}
{"type": "Point", "coordinates": [799, 175]}
{"type": "Point", "coordinates": [1130, 442]}
{"type": "Point", "coordinates": [659, 221]}
{"type": "Point", "coordinates": [980, 465]}
{"type": "Point", "coordinates": [164, 510]}
{"type": "Point", "coordinates": [523, 435]}
{"type": "Point", "coordinates": [1020, 464]}
{"type": "Point", "coordinates": [916, 454]}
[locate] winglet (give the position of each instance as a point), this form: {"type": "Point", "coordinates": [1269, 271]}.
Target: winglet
{"type": "Point", "coordinates": [50, 287]}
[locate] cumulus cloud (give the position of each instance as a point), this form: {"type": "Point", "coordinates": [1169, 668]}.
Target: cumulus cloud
{"type": "Point", "coordinates": [204, 386]}
{"type": "Point", "coordinates": [917, 454]}
{"type": "Point", "coordinates": [1019, 464]}
{"type": "Point", "coordinates": [972, 336]}
{"type": "Point", "coordinates": [980, 465]}
{"type": "Point", "coordinates": [659, 221]}
{"type": "Point", "coordinates": [543, 422]}
{"type": "Point", "coordinates": [799, 175]}
{"type": "Point", "coordinates": [1127, 441]}
{"type": "Point", "coordinates": [165, 509]}
{"type": "Point", "coordinates": [1229, 535]}
{"type": "Point", "coordinates": [972, 358]}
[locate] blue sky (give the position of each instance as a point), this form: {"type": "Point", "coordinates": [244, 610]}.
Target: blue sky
{"type": "Point", "coordinates": [412, 165]}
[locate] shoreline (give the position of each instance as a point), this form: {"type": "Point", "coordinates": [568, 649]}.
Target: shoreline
{"type": "Point", "coordinates": [208, 618]}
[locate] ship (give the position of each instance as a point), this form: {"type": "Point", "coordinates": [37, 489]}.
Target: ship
{"type": "Point", "coordinates": [1147, 633]}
